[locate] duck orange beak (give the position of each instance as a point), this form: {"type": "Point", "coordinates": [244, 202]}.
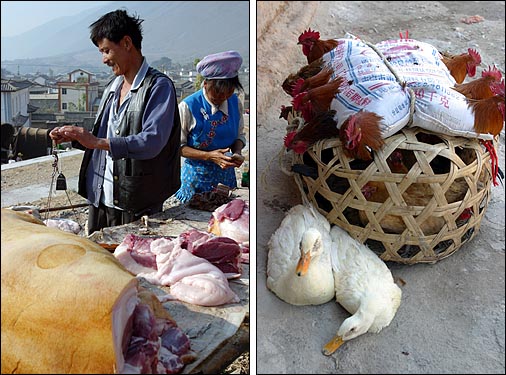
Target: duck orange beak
{"type": "Point", "coordinates": [303, 264]}
{"type": "Point", "coordinates": [333, 345]}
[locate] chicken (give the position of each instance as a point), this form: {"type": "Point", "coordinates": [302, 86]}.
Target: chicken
{"type": "Point", "coordinates": [305, 72]}
{"type": "Point", "coordinates": [313, 47]}
{"type": "Point", "coordinates": [285, 112]}
{"type": "Point", "coordinates": [321, 126]}
{"type": "Point", "coordinates": [489, 112]}
{"type": "Point", "coordinates": [462, 65]}
{"type": "Point", "coordinates": [309, 83]}
{"type": "Point", "coordinates": [375, 191]}
{"type": "Point", "coordinates": [396, 162]}
{"type": "Point", "coordinates": [417, 194]}
{"type": "Point", "coordinates": [359, 132]}
{"type": "Point", "coordinates": [317, 99]}
{"type": "Point", "coordinates": [480, 87]}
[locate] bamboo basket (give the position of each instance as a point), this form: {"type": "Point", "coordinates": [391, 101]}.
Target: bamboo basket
{"type": "Point", "coordinates": [455, 171]}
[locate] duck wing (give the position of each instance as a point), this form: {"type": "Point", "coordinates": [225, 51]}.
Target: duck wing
{"type": "Point", "coordinates": [358, 271]}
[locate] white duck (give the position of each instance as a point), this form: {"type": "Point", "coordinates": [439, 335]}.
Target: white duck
{"type": "Point", "coordinates": [299, 269]}
{"type": "Point", "coordinates": [364, 286]}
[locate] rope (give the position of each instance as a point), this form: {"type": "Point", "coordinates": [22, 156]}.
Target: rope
{"type": "Point", "coordinates": [401, 82]}
{"type": "Point", "coordinates": [56, 172]}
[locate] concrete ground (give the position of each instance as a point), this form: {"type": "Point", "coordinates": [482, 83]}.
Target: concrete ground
{"type": "Point", "coordinates": [451, 318]}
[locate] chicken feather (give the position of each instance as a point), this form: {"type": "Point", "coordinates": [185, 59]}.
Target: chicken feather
{"type": "Point", "coordinates": [317, 99]}
{"type": "Point", "coordinates": [359, 131]}
{"type": "Point", "coordinates": [322, 126]}
{"type": "Point", "coordinates": [480, 88]}
{"type": "Point", "coordinates": [313, 47]}
{"type": "Point", "coordinates": [489, 112]}
{"type": "Point", "coordinates": [462, 65]}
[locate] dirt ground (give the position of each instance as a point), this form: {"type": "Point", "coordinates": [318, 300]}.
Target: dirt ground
{"type": "Point", "coordinates": [451, 319]}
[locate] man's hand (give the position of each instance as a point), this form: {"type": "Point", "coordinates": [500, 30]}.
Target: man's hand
{"type": "Point", "coordinates": [81, 135]}
{"type": "Point", "coordinates": [57, 136]}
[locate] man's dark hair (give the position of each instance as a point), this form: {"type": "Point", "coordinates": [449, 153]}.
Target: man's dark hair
{"type": "Point", "coordinates": [114, 26]}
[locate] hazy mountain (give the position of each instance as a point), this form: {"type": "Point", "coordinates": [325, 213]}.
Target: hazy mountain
{"type": "Point", "coordinates": [179, 30]}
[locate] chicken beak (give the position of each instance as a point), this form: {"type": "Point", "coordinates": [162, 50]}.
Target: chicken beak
{"type": "Point", "coordinates": [333, 345]}
{"type": "Point", "coordinates": [303, 264]}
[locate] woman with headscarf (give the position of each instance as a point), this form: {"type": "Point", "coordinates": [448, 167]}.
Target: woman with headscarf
{"type": "Point", "coordinates": [212, 127]}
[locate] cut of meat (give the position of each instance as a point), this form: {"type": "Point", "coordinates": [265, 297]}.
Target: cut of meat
{"type": "Point", "coordinates": [76, 309]}
{"type": "Point", "coordinates": [138, 255]}
{"type": "Point", "coordinates": [225, 253]}
{"type": "Point", "coordinates": [231, 220]}
{"type": "Point", "coordinates": [191, 278]}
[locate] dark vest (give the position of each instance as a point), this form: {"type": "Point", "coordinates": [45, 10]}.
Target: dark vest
{"type": "Point", "coordinates": [139, 184]}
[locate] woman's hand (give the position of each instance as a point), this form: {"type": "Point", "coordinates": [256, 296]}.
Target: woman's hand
{"type": "Point", "coordinates": [236, 148]}
{"type": "Point", "coordinates": [238, 159]}
{"type": "Point", "coordinates": [224, 161]}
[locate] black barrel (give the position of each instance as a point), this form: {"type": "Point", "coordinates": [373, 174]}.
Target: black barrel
{"type": "Point", "coordinates": [32, 143]}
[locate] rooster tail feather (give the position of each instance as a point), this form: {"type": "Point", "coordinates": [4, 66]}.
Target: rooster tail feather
{"type": "Point", "coordinates": [322, 96]}
{"type": "Point", "coordinates": [312, 69]}
{"type": "Point", "coordinates": [321, 78]}
{"type": "Point", "coordinates": [325, 118]}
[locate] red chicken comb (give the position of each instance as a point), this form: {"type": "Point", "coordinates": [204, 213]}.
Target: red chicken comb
{"type": "Point", "coordinates": [475, 55]}
{"type": "Point", "coordinates": [297, 86]}
{"type": "Point", "coordinates": [492, 72]}
{"type": "Point", "coordinates": [298, 100]}
{"type": "Point", "coordinates": [309, 34]}
{"type": "Point", "coordinates": [289, 138]}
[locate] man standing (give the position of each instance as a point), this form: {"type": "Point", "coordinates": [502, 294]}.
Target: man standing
{"type": "Point", "coordinates": [131, 163]}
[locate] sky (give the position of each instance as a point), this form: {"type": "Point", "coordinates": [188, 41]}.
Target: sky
{"type": "Point", "coordinates": [21, 16]}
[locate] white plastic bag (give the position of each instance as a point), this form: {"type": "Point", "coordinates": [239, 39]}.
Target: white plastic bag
{"type": "Point", "coordinates": [373, 87]}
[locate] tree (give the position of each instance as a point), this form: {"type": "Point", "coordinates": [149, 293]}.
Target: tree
{"type": "Point", "coordinates": [199, 78]}
{"type": "Point", "coordinates": [81, 103]}
{"type": "Point", "coordinates": [163, 64]}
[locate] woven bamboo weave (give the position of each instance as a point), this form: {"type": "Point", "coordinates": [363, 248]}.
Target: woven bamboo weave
{"type": "Point", "coordinates": [454, 173]}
